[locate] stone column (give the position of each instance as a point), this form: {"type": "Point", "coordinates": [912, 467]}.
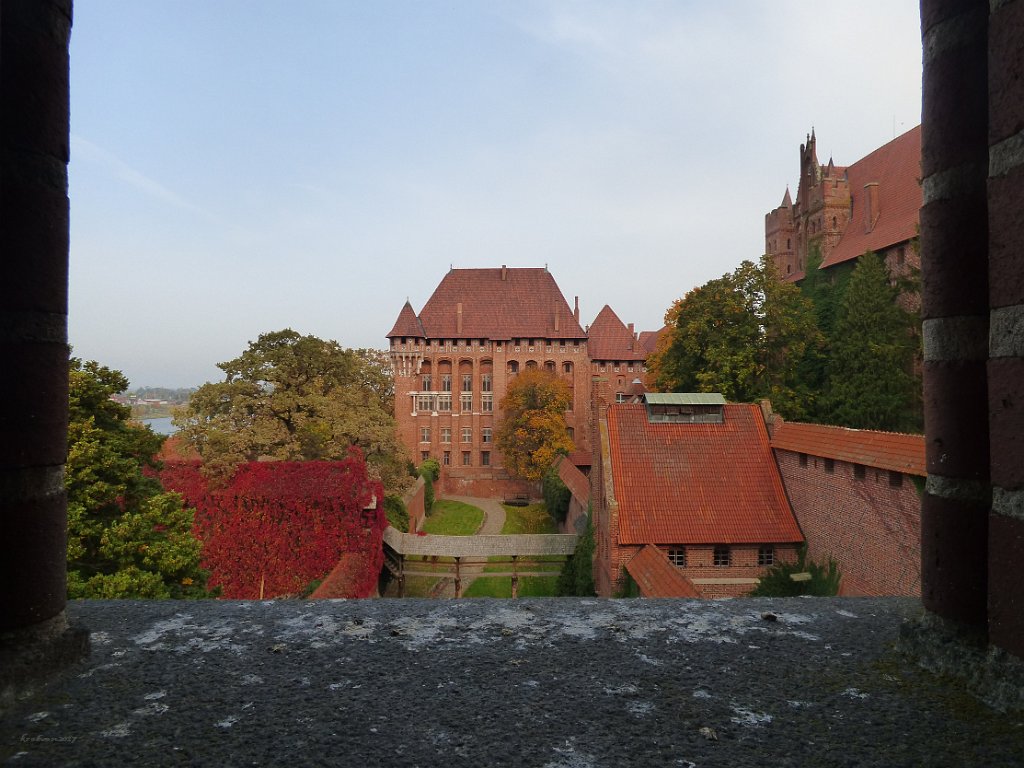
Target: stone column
{"type": "Point", "coordinates": [1006, 295]}
{"type": "Point", "coordinates": [954, 267]}
{"type": "Point", "coordinates": [34, 36]}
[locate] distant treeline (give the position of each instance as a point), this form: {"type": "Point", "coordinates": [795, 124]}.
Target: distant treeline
{"type": "Point", "coordinates": [173, 396]}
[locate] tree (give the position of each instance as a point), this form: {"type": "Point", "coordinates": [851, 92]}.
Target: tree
{"type": "Point", "coordinates": [823, 579]}
{"type": "Point", "coordinates": [746, 335]}
{"type": "Point", "coordinates": [296, 398]}
{"type": "Point", "coordinates": [870, 370]}
{"type": "Point", "coordinates": [532, 431]}
{"type": "Point", "coordinates": [577, 575]}
{"type": "Point", "coordinates": [126, 536]}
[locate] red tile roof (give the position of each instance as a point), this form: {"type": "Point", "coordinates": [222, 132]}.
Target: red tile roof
{"type": "Point", "coordinates": [896, 167]}
{"type": "Point", "coordinates": [657, 577]}
{"type": "Point", "coordinates": [882, 450]}
{"type": "Point", "coordinates": [697, 483]}
{"type": "Point", "coordinates": [499, 303]}
{"type": "Point", "coordinates": [407, 324]}
{"type": "Point", "coordinates": [575, 481]}
{"type": "Point", "coordinates": [649, 339]}
{"type": "Point", "coordinates": [581, 458]}
{"type": "Point", "coordinates": [609, 339]}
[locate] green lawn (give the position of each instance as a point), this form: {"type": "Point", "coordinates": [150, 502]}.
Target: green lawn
{"type": "Point", "coordinates": [531, 519]}
{"type": "Point", "coordinates": [529, 586]}
{"type": "Point", "coordinates": [419, 586]}
{"type": "Point", "coordinates": [453, 518]}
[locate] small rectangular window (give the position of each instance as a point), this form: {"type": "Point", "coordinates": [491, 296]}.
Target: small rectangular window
{"type": "Point", "coordinates": [444, 403]}
{"type": "Point", "coordinates": [467, 382]}
{"type": "Point", "coordinates": [466, 403]}
{"type": "Point", "coordinates": [859, 471]}
{"type": "Point", "coordinates": [466, 458]}
{"type": "Point", "coordinates": [485, 434]}
{"type": "Point", "coordinates": [766, 555]}
{"type": "Point", "coordinates": [426, 383]}
{"type": "Point", "coordinates": [424, 455]}
{"type": "Point", "coordinates": [803, 459]}
{"type": "Point", "coordinates": [677, 556]}
{"type": "Point", "coordinates": [485, 458]}
{"type": "Point", "coordinates": [722, 556]}
{"type": "Point", "coordinates": [487, 403]}
{"type": "Point", "coordinates": [467, 434]}
{"type": "Point", "coordinates": [447, 458]}
{"type": "Point", "coordinates": [446, 383]}
{"type": "Point", "coordinates": [896, 479]}
{"type": "Point", "coordinates": [446, 434]}
{"type": "Point", "coordinates": [485, 382]}
{"type": "Point", "coordinates": [424, 434]}
{"type": "Point", "coordinates": [830, 466]}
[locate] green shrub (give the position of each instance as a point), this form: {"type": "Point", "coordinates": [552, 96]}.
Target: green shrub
{"type": "Point", "coordinates": [396, 513]}
{"type": "Point", "coordinates": [431, 469]}
{"type": "Point", "coordinates": [556, 495]}
{"type": "Point", "coordinates": [776, 582]}
{"type": "Point", "coordinates": [577, 576]}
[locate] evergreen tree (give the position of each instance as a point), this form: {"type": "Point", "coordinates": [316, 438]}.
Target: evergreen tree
{"type": "Point", "coordinates": [871, 384]}
{"type": "Point", "coordinates": [126, 537]}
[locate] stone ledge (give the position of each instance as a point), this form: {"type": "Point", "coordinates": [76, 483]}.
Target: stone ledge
{"type": "Point", "coordinates": [567, 682]}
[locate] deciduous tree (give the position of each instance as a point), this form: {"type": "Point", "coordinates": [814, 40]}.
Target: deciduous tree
{"type": "Point", "coordinates": [126, 536]}
{"type": "Point", "coordinates": [294, 397]}
{"type": "Point", "coordinates": [533, 431]}
{"type": "Point", "coordinates": [745, 334]}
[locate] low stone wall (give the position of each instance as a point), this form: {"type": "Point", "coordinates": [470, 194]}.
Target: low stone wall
{"type": "Point", "coordinates": [414, 500]}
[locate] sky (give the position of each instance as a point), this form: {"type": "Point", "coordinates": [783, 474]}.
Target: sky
{"type": "Point", "coordinates": [242, 167]}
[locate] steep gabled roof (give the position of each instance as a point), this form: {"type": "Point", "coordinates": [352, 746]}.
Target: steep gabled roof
{"type": "Point", "coordinates": [574, 480]}
{"type": "Point", "coordinates": [697, 483]}
{"type": "Point", "coordinates": [609, 339]}
{"type": "Point", "coordinates": [657, 577]}
{"type": "Point", "coordinates": [499, 303]}
{"type": "Point", "coordinates": [896, 167]}
{"type": "Point", "coordinates": [407, 324]}
{"type": "Point", "coordinates": [882, 450]}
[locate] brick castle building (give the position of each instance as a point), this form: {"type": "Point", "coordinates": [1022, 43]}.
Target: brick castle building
{"type": "Point", "coordinates": [453, 363]}
{"type": "Point", "coordinates": [843, 212]}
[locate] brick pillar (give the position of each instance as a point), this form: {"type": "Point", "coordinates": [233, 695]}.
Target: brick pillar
{"type": "Point", "coordinates": [34, 37]}
{"type": "Point", "coordinates": [1006, 294]}
{"type": "Point", "coordinates": [954, 267]}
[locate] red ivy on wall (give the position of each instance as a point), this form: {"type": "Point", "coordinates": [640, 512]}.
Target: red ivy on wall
{"type": "Point", "coordinates": [280, 525]}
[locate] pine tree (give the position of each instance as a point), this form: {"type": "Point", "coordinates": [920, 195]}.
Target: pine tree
{"type": "Point", "coordinates": [870, 367]}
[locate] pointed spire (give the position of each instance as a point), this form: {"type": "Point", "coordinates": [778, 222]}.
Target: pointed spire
{"type": "Point", "coordinates": [787, 201]}
{"type": "Point", "coordinates": [407, 324]}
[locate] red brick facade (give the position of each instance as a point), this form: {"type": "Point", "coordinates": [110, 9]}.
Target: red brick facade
{"type": "Point", "coordinates": [453, 363]}
{"type": "Point", "coordinates": [843, 212]}
{"type": "Point", "coordinates": [868, 520]}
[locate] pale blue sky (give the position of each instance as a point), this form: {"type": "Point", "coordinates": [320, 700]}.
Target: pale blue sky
{"type": "Point", "coordinates": [239, 167]}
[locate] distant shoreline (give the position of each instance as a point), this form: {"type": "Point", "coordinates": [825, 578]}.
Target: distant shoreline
{"type": "Point", "coordinates": [160, 424]}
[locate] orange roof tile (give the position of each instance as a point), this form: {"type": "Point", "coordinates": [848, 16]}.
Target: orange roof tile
{"type": "Point", "coordinates": [657, 577]}
{"type": "Point", "coordinates": [407, 324]}
{"type": "Point", "coordinates": [697, 483]}
{"type": "Point", "coordinates": [883, 450]}
{"type": "Point", "coordinates": [575, 481]}
{"type": "Point", "coordinates": [525, 303]}
{"type": "Point", "coordinates": [896, 167]}
{"type": "Point", "coordinates": [608, 338]}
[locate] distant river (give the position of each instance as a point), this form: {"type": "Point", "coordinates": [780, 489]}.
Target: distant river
{"type": "Point", "coordinates": [162, 425]}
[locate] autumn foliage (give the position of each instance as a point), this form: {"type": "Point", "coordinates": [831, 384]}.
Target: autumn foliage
{"type": "Point", "coordinates": [533, 431]}
{"type": "Point", "coordinates": [281, 525]}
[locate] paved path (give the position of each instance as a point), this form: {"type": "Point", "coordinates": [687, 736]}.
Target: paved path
{"type": "Point", "coordinates": [494, 521]}
{"type": "Point", "coordinates": [494, 513]}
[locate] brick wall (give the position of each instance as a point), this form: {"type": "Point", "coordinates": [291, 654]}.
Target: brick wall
{"type": "Point", "coordinates": [870, 528]}
{"type": "Point", "coordinates": [414, 504]}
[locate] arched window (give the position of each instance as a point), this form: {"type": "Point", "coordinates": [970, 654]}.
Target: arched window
{"type": "Point", "coordinates": [531, 365]}
{"type": "Point", "coordinates": [549, 366]}
{"type": "Point", "coordinates": [567, 369]}
{"type": "Point", "coordinates": [513, 368]}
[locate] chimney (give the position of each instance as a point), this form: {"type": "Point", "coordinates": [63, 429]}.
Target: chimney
{"type": "Point", "coordinates": [458, 319]}
{"type": "Point", "coordinates": [504, 272]}
{"type": "Point", "coordinates": [632, 334]}
{"type": "Point", "coordinates": [556, 319]}
{"type": "Point", "coordinates": [870, 205]}
{"type": "Point", "coordinates": [576, 311]}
